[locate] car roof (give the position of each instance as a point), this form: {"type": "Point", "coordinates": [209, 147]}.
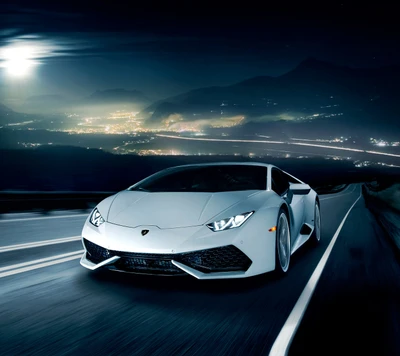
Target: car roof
{"type": "Point", "coordinates": [259, 164]}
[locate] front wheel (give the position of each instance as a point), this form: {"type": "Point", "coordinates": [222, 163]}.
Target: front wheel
{"type": "Point", "coordinates": [282, 253]}
{"type": "Point", "coordinates": [316, 235]}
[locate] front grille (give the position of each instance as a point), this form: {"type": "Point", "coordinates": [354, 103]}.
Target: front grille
{"type": "Point", "coordinates": [147, 265]}
{"type": "Point", "coordinates": [219, 259]}
{"type": "Point", "coordinates": [96, 253]}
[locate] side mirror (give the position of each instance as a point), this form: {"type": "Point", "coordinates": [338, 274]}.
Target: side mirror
{"type": "Point", "coordinates": [300, 189]}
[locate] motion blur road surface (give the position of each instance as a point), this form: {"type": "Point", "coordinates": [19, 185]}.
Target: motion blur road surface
{"type": "Point", "coordinates": [49, 304]}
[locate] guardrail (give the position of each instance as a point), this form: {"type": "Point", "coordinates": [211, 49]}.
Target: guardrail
{"type": "Point", "coordinates": [387, 216]}
{"type": "Point", "coordinates": [14, 201]}
{"type": "Point", "coordinates": [382, 184]}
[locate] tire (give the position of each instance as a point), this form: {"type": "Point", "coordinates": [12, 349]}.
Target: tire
{"type": "Point", "coordinates": [282, 245]}
{"type": "Point", "coordinates": [316, 234]}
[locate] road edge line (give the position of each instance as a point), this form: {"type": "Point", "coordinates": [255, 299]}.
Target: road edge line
{"type": "Point", "coordinates": [286, 335]}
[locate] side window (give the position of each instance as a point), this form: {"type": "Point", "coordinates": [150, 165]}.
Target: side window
{"type": "Point", "coordinates": [279, 183]}
{"type": "Point", "coordinates": [289, 178]}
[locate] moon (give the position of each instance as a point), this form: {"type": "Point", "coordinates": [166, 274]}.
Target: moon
{"type": "Point", "coordinates": [18, 62]}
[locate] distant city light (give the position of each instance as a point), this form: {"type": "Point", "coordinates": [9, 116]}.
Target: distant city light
{"type": "Point", "coordinates": [281, 142]}
{"type": "Point", "coordinates": [144, 140]}
{"type": "Point", "coordinates": [383, 143]}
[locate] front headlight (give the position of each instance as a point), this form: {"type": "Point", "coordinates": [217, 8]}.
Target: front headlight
{"type": "Point", "coordinates": [229, 223]}
{"type": "Point", "coordinates": [96, 219]}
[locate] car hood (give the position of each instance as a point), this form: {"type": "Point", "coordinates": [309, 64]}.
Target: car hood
{"type": "Point", "coordinates": [171, 210]}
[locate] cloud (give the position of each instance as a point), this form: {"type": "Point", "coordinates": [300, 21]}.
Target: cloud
{"type": "Point", "coordinates": [7, 32]}
{"type": "Point", "coordinates": [284, 116]}
{"type": "Point", "coordinates": [18, 54]}
{"type": "Point", "coordinates": [176, 122]}
{"type": "Point", "coordinates": [78, 44]}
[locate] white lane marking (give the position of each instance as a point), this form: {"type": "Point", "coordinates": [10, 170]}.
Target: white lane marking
{"type": "Point", "coordinates": [339, 195]}
{"type": "Point", "coordinates": [24, 264]}
{"type": "Point", "coordinates": [44, 217]}
{"type": "Point", "coordinates": [40, 265]}
{"type": "Point", "coordinates": [286, 335]}
{"type": "Point", "coordinates": [38, 244]}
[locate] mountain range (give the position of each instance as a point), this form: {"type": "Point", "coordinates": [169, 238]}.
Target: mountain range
{"type": "Point", "coordinates": [313, 90]}
{"type": "Point", "coordinates": [315, 96]}
{"type": "Point", "coordinates": [9, 116]}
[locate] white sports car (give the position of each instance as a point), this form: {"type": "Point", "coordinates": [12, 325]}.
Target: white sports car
{"type": "Point", "coordinates": [211, 221]}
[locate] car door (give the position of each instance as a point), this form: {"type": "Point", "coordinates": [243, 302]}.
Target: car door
{"type": "Point", "coordinates": [280, 184]}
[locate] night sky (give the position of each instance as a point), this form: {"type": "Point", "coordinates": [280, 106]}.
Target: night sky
{"type": "Point", "coordinates": [165, 48]}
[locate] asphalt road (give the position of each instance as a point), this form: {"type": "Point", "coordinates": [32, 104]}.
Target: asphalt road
{"type": "Point", "coordinates": [55, 306]}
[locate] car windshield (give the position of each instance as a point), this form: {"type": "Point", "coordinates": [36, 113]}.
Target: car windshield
{"type": "Point", "coordinates": [207, 179]}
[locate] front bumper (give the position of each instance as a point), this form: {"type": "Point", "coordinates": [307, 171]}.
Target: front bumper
{"type": "Point", "coordinates": [194, 250]}
{"type": "Point", "coordinates": [224, 260]}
